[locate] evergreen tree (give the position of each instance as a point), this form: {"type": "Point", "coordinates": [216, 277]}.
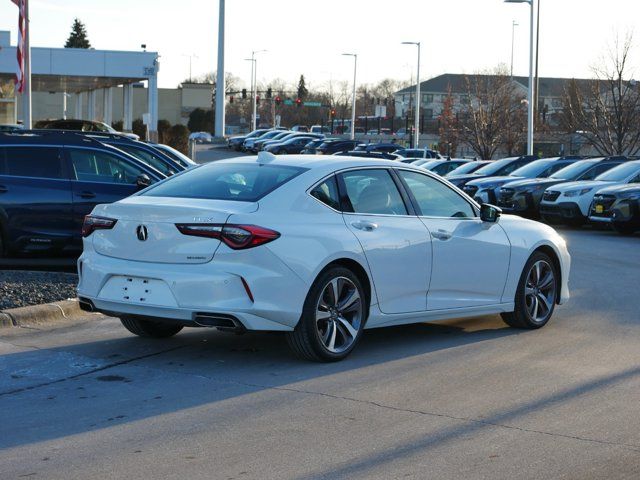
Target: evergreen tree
{"type": "Point", "coordinates": [302, 89]}
{"type": "Point", "coordinates": [78, 36]}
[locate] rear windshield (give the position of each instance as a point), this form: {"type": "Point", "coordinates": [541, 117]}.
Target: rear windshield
{"type": "Point", "coordinates": [245, 182]}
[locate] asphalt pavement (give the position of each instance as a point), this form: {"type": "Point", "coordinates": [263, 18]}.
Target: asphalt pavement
{"type": "Point", "coordinates": [469, 399]}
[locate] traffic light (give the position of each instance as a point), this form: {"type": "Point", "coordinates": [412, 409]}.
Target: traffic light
{"type": "Point", "coordinates": [231, 99]}
{"type": "Point", "coordinates": [269, 91]}
{"type": "Point", "coordinates": [333, 112]}
{"type": "Point", "coordinates": [278, 100]}
{"type": "Point", "coordinates": [298, 102]}
{"type": "Point", "coordinates": [244, 93]}
{"type": "Point", "coordinates": [257, 99]}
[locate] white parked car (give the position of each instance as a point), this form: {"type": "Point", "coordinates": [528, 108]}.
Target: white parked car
{"type": "Point", "coordinates": [201, 137]}
{"type": "Point", "coordinates": [320, 247]}
{"type": "Point", "coordinates": [569, 202]}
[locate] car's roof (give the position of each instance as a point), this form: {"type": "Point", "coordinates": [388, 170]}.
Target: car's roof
{"type": "Point", "coordinates": [316, 161]}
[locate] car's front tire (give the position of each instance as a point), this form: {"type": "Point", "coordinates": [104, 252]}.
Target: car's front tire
{"type": "Point", "coordinates": [536, 294]}
{"type": "Point", "coordinates": [624, 228]}
{"type": "Point", "coordinates": [149, 328]}
{"type": "Point", "coordinates": [333, 317]}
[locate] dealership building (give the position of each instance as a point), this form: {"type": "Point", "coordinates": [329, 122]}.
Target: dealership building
{"type": "Point", "coordinates": [90, 84]}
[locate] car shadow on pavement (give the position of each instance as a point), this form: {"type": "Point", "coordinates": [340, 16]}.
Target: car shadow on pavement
{"type": "Point", "coordinates": [126, 379]}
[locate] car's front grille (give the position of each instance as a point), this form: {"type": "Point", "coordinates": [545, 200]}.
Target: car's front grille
{"type": "Point", "coordinates": [550, 195]}
{"type": "Point", "coordinates": [470, 190]}
{"type": "Point", "coordinates": [601, 206]}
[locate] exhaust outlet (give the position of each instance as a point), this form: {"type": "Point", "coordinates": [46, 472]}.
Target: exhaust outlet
{"type": "Point", "coordinates": [220, 321]}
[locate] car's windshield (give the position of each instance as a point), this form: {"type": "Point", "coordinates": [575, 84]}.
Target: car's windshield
{"type": "Point", "coordinates": [177, 155]}
{"type": "Point", "coordinates": [574, 170]}
{"type": "Point", "coordinates": [269, 134]}
{"type": "Point", "coordinates": [620, 173]}
{"type": "Point", "coordinates": [494, 167]}
{"type": "Point", "coordinates": [465, 168]}
{"type": "Point", "coordinates": [533, 169]}
{"type": "Point", "coordinates": [245, 182]}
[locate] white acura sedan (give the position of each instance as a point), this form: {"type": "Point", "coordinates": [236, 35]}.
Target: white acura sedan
{"type": "Point", "coordinates": [318, 247]}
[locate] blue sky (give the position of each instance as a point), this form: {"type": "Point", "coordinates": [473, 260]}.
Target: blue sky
{"type": "Point", "coordinates": [307, 37]}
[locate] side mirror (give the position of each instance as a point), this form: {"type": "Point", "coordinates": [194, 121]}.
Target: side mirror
{"type": "Point", "coordinates": [143, 181]}
{"type": "Point", "coordinates": [489, 213]}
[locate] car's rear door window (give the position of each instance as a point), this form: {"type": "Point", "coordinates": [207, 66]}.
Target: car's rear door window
{"type": "Point", "coordinates": [96, 166]}
{"type": "Point", "coordinates": [372, 191]}
{"type": "Point", "coordinates": [33, 161]}
{"type": "Point", "coordinates": [247, 182]}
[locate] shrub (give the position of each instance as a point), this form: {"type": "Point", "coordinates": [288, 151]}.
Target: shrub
{"type": "Point", "coordinates": [178, 137]}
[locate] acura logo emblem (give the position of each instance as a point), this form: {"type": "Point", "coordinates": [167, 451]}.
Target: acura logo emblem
{"type": "Point", "coordinates": [142, 233]}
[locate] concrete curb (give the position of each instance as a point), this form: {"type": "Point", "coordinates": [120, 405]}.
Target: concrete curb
{"type": "Point", "coordinates": [40, 314]}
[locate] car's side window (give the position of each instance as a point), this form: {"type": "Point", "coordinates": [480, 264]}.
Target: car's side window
{"type": "Point", "coordinates": [96, 166]}
{"type": "Point", "coordinates": [327, 193]}
{"type": "Point", "coordinates": [372, 191]}
{"type": "Point", "coordinates": [37, 162]}
{"type": "Point", "coordinates": [435, 199]}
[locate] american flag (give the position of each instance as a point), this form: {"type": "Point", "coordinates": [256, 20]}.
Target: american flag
{"type": "Point", "coordinates": [21, 43]}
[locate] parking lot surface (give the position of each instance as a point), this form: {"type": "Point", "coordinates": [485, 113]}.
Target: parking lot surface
{"type": "Point", "coordinates": [464, 399]}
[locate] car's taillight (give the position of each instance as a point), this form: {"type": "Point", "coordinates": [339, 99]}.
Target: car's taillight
{"type": "Point", "coordinates": [92, 223]}
{"type": "Point", "coordinates": [237, 237]}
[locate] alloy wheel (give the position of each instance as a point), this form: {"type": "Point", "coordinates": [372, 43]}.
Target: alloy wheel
{"type": "Point", "coordinates": [540, 291]}
{"type": "Point", "coordinates": [338, 314]}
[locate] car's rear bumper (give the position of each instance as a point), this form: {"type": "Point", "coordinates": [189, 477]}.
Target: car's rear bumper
{"type": "Point", "coordinates": [181, 292]}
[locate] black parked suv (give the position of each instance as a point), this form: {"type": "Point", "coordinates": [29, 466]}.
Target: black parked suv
{"type": "Point", "coordinates": [50, 181]}
{"type": "Point", "coordinates": [619, 206]}
{"type": "Point", "coordinates": [331, 146]}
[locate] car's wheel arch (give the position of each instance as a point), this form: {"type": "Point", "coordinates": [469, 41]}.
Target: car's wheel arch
{"type": "Point", "coordinates": [359, 271]}
{"type": "Point", "coordinates": [555, 258]}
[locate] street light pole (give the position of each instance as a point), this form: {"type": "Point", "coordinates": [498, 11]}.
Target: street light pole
{"type": "Point", "coordinates": [353, 100]}
{"type": "Point", "coordinates": [220, 87]}
{"type": "Point", "coordinates": [416, 123]}
{"type": "Point", "coordinates": [530, 96]}
{"type": "Point", "coordinates": [254, 86]}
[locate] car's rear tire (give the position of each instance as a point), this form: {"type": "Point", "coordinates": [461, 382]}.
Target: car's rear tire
{"type": "Point", "coordinates": [536, 294]}
{"type": "Point", "coordinates": [333, 317]}
{"type": "Point", "coordinates": [149, 328]}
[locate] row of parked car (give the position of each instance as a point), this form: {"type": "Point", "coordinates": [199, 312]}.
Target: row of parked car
{"type": "Point", "coordinates": [571, 190]}
{"type": "Point", "coordinates": [51, 179]}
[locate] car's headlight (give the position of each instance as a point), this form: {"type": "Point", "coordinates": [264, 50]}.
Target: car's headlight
{"type": "Point", "coordinates": [577, 193]}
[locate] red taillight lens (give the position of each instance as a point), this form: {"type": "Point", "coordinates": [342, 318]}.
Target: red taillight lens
{"type": "Point", "coordinates": [92, 223]}
{"type": "Point", "coordinates": [237, 237]}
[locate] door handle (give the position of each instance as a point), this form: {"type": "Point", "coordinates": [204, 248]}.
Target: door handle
{"type": "Point", "coordinates": [86, 194]}
{"type": "Point", "coordinates": [363, 225]}
{"type": "Point", "coordinates": [3, 189]}
{"type": "Point", "coordinates": [441, 235]}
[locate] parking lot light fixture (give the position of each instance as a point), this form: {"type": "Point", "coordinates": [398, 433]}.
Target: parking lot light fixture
{"type": "Point", "coordinates": [530, 106]}
{"type": "Point", "coordinates": [353, 100]}
{"type": "Point", "coordinates": [416, 126]}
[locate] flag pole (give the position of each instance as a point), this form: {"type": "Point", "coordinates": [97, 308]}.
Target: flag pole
{"type": "Point", "coordinates": [26, 99]}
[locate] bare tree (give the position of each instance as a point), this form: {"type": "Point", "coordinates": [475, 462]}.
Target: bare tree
{"type": "Point", "coordinates": [606, 110]}
{"type": "Point", "coordinates": [490, 114]}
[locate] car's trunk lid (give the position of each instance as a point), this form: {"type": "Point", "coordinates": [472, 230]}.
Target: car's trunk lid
{"type": "Point", "coordinates": [146, 230]}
